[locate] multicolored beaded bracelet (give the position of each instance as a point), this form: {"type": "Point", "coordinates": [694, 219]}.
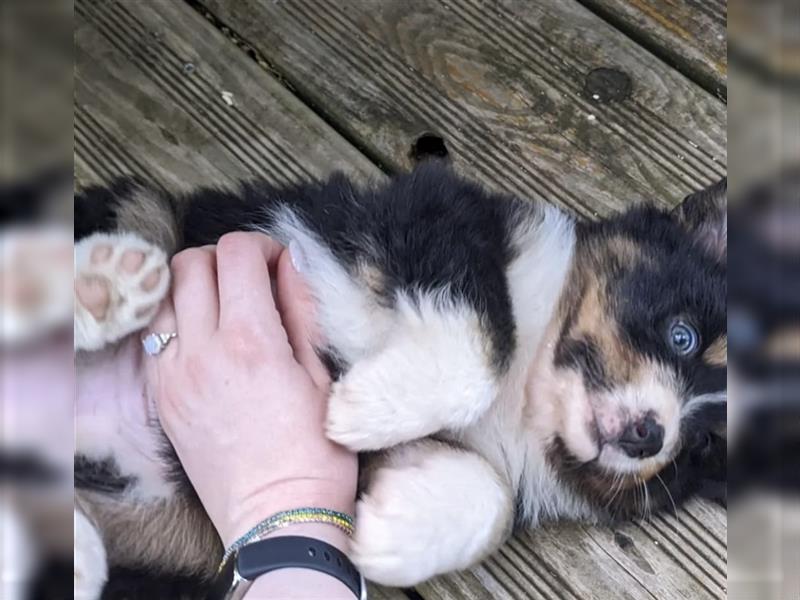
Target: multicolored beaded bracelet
{"type": "Point", "coordinates": [285, 518]}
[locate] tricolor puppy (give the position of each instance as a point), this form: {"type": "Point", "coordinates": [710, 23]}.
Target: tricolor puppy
{"type": "Point", "coordinates": [512, 366]}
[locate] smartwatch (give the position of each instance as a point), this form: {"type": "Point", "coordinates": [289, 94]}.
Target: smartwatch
{"type": "Point", "coordinates": [292, 552]}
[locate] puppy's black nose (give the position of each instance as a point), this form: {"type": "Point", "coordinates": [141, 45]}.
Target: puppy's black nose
{"type": "Point", "coordinates": [642, 438]}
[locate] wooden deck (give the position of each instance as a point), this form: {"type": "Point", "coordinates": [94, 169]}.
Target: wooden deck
{"type": "Point", "coordinates": [590, 105]}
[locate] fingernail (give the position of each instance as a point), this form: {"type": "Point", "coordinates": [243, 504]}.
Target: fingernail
{"type": "Point", "coordinates": [298, 256]}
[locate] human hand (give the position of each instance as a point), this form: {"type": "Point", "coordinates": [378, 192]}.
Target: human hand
{"type": "Point", "coordinates": [241, 393]}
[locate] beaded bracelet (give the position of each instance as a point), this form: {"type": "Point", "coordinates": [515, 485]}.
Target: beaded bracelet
{"type": "Point", "coordinates": [285, 518]}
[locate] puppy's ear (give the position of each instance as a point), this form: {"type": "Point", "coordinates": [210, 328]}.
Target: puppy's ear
{"type": "Point", "coordinates": [705, 215]}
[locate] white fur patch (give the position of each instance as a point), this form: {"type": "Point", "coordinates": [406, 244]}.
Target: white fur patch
{"type": "Point", "coordinates": [353, 322]}
{"type": "Point", "coordinates": [696, 402]}
{"type": "Point", "coordinates": [537, 275]}
{"type": "Point", "coordinates": [430, 510]}
{"type": "Point", "coordinates": [433, 374]}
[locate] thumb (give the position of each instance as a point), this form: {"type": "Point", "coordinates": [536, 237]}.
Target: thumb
{"type": "Point", "coordinates": [298, 313]}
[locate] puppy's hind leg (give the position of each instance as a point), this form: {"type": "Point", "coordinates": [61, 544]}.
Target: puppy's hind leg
{"type": "Point", "coordinates": [434, 373]}
{"type": "Point", "coordinates": [429, 508]}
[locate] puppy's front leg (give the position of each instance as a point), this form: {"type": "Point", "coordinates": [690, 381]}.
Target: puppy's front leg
{"type": "Point", "coordinates": [434, 373]}
{"type": "Point", "coordinates": [429, 508]}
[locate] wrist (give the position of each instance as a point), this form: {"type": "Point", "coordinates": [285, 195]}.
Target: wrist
{"type": "Point", "coordinates": [285, 497]}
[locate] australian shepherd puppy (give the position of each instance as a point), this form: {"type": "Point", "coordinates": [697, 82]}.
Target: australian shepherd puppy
{"type": "Point", "coordinates": [498, 363]}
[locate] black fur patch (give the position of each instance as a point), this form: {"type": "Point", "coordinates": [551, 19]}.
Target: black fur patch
{"type": "Point", "coordinates": [95, 207]}
{"type": "Point", "coordinates": [100, 476]}
{"type": "Point", "coordinates": [140, 584]}
{"type": "Point", "coordinates": [423, 231]}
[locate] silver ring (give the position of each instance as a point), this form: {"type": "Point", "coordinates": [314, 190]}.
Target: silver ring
{"type": "Point", "coordinates": [155, 343]}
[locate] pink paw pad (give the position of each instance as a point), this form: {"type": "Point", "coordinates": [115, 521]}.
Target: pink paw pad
{"type": "Point", "coordinates": [151, 281]}
{"type": "Point", "coordinates": [94, 295]}
{"type": "Point", "coordinates": [100, 254]}
{"type": "Point", "coordinates": [132, 261]}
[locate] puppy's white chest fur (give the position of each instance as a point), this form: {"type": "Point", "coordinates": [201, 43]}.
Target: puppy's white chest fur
{"type": "Point", "coordinates": [514, 433]}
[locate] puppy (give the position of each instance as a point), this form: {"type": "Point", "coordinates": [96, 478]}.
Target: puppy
{"type": "Point", "coordinates": [510, 365]}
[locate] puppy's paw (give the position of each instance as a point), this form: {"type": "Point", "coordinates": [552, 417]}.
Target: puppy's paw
{"type": "Point", "coordinates": [357, 416]}
{"type": "Point", "coordinates": [397, 540]}
{"type": "Point", "coordinates": [430, 509]}
{"type": "Point", "coordinates": [120, 279]}
{"type": "Point", "coordinates": [90, 569]}
{"type": "Point", "coordinates": [375, 406]}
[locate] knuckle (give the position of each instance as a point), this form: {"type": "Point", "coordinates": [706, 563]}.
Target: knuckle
{"type": "Point", "coordinates": [235, 242]}
{"type": "Point", "coordinates": [188, 258]}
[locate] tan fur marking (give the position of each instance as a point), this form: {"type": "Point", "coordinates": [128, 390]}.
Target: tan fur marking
{"type": "Point", "coordinates": [372, 277]}
{"type": "Point", "coordinates": [625, 251]}
{"type": "Point", "coordinates": [149, 215]}
{"type": "Point", "coordinates": [595, 322]}
{"type": "Point", "coordinates": [134, 533]}
{"type": "Point", "coordinates": [717, 353]}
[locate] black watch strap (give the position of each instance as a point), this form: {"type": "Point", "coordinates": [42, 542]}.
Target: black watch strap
{"type": "Point", "coordinates": [297, 552]}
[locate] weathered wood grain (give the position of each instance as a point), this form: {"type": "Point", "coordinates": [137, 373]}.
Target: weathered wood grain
{"type": "Point", "coordinates": [149, 84]}
{"type": "Point", "coordinates": [689, 34]}
{"type": "Point", "coordinates": [503, 83]}
{"type": "Point", "coordinates": [569, 561]}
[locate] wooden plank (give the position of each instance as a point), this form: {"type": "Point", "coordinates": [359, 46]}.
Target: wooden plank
{"type": "Point", "coordinates": [509, 85]}
{"type": "Point", "coordinates": [572, 561]}
{"type": "Point", "coordinates": [689, 34]}
{"type": "Point", "coordinates": [377, 592]}
{"type": "Point", "coordinates": [149, 83]}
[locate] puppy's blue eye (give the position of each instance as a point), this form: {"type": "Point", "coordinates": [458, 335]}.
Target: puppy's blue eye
{"type": "Point", "coordinates": [683, 338]}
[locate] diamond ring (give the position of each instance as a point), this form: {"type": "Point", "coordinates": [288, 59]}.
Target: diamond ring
{"type": "Point", "coordinates": [156, 342]}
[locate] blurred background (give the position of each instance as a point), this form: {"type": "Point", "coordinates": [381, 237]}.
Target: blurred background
{"type": "Point", "coordinates": [37, 385]}
{"type": "Point", "coordinates": [764, 300]}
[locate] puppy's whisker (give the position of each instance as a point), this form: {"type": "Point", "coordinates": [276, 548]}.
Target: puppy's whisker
{"type": "Point", "coordinates": [671, 499]}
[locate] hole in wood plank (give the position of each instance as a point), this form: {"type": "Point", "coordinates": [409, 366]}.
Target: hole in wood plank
{"type": "Point", "coordinates": [623, 541]}
{"type": "Point", "coordinates": [605, 86]}
{"type": "Point", "coordinates": [628, 546]}
{"type": "Point", "coordinates": [428, 145]}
